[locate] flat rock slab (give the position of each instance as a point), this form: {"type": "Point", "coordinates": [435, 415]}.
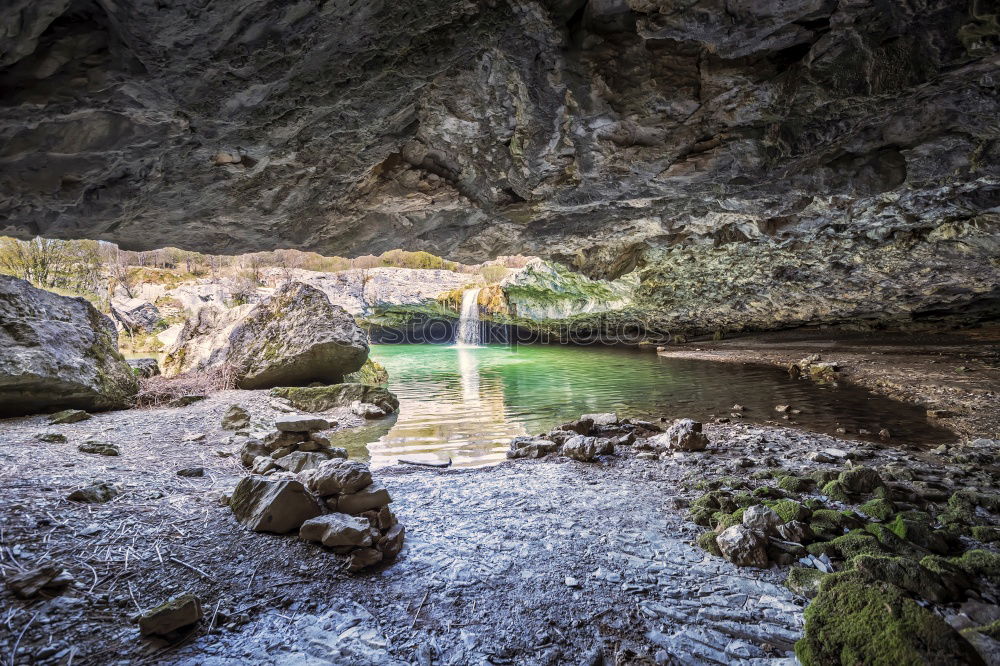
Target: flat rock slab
{"type": "Point", "coordinates": [301, 424]}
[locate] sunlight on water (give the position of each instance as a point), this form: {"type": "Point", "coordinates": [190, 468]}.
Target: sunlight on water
{"type": "Point", "coordinates": [467, 403]}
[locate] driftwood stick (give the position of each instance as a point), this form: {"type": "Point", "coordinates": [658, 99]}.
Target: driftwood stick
{"type": "Point", "coordinates": [191, 567]}
{"type": "Point", "coordinates": [404, 461]}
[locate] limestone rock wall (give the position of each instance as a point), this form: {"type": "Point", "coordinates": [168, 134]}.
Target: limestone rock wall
{"type": "Point", "coordinates": [607, 134]}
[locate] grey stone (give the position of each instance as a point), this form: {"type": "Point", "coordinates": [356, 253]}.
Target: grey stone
{"type": "Point", "coordinates": [531, 447]}
{"type": "Point", "coordinates": [373, 496]}
{"type": "Point", "coordinates": [582, 448]}
{"type": "Point", "coordinates": [191, 472]}
{"type": "Point", "coordinates": [298, 461]}
{"type": "Point", "coordinates": [51, 437]}
{"type": "Point", "coordinates": [337, 477]}
{"type": "Point", "coordinates": [761, 519]}
{"type": "Point", "coordinates": [602, 419]}
{"type": "Point", "coordinates": [251, 449]}
{"type": "Point", "coordinates": [301, 424]}
{"type": "Point", "coordinates": [100, 448]}
{"type": "Point", "coordinates": [363, 558]}
{"type": "Point", "coordinates": [68, 416]}
{"type": "Point", "coordinates": [392, 541]}
{"type": "Point", "coordinates": [235, 418]}
{"type": "Point", "coordinates": [337, 530]}
{"type": "Point", "coordinates": [273, 505]}
{"type": "Point", "coordinates": [682, 435]}
{"type": "Point", "coordinates": [96, 493]}
{"type": "Point", "coordinates": [176, 613]}
{"type": "Point", "coordinates": [57, 351]}
{"type": "Point", "coordinates": [743, 546]}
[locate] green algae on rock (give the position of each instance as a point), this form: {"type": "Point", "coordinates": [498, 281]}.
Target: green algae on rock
{"type": "Point", "coordinates": [854, 620]}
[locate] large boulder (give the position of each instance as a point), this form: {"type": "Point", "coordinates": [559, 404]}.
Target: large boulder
{"type": "Point", "coordinates": [323, 398]}
{"type": "Point", "coordinates": [293, 338]}
{"type": "Point", "coordinates": [57, 351]}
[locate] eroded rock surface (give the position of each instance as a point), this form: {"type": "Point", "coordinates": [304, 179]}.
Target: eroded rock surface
{"type": "Point", "coordinates": [831, 160]}
{"type": "Point", "coordinates": [58, 352]}
{"type": "Point", "coordinates": [295, 337]}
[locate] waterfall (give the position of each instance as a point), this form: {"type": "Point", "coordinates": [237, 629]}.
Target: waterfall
{"type": "Point", "coordinates": [468, 324]}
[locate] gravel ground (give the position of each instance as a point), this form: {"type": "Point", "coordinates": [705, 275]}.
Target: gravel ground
{"type": "Point", "coordinates": [527, 562]}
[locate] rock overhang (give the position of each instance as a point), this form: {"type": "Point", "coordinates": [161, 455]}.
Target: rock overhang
{"type": "Point", "coordinates": [607, 135]}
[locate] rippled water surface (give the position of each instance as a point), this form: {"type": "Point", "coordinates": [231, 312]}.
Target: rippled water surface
{"type": "Point", "coordinates": [467, 403]}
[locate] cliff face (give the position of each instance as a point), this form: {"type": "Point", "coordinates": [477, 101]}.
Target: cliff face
{"type": "Point", "coordinates": [828, 159]}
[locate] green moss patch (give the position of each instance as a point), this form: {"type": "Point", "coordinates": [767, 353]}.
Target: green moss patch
{"type": "Point", "coordinates": [837, 491]}
{"type": "Point", "coordinates": [804, 582]}
{"type": "Point", "coordinates": [789, 510]}
{"type": "Point", "coordinates": [706, 541]}
{"type": "Point", "coordinates": [907, 574]}
{"type": "Point", "coordinates": [859, 542]}
{"type": "Point", "coordinates": [880, 509]}
{"type": "Point", "coordinates": [980, 563]}
{"type": "Point", "coordinates": [855, 621]}
{"type": "Point", "coordinates": [794, 484]}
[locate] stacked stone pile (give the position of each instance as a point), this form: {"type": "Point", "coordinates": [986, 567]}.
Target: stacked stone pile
{"type": "Point", "coordinates": [325, 497]}
{"type": "Point", "coordinates": [293, 446]}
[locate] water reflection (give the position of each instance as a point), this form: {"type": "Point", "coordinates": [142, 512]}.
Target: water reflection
{"type": "Point", "coordinates": [467, 403]}
{"type": "Point", "coordinates": [449, 409]}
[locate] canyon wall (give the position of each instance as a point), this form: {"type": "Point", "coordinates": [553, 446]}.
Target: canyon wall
{"type": "Point", "coordinates": [759, 165]}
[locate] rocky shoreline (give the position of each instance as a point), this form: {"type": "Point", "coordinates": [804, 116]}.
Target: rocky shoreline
{"type": "Point", "coordinates": [530, 561]}
{"type": "Point", "coordinates": [955, 376]}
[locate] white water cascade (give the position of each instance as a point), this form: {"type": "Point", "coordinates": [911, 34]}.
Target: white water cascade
{"type": "Point", "coordinates": [468, 324]}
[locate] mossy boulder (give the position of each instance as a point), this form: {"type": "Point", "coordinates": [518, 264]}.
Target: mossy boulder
{"type": "Point", "coordinates": [893, 542]}
{"type": "Point", "coordinates": [294, 338]}
{"type": "Point", "coordinates": [823, 476]}
{"type": "Point", "coordinates": [907, 574]}
{"type": "Point", "coordinates": [795, 484]}
{"type": "Point", "coordinates": [837, 491]}
{"type": "Point", "coordinates": [860, 480]}
{"type": "Point", "coordinates": [706, 541]}
{"type": "Point", "coordinates": [880, 509]}
{"type": "Point", "coordinates": [804, 582]}
{"type": "Point", "coordinates": [789, 510]}
{"type": "Point", "coordinates": [854, 620]}
{"type": "Point", "coordinates": [323, 398]}
{"type": "Point", "coordinates": [722, 520]}
{"type": "Point", "coordinates": [828, 524]}
{"type": "Point", "coordinates": [719, 500]}
{"type": "Point", "coordinates": [986, 534]}
{"type": "Point", "coordinates": [768, 492]}
{"type": "Point", "coordinates": [372, 372]}
{"type": "Point", "coordinates": [915, 526]}
{"type": "Point", "coordinates": [982, 563]}
{"type": "Point", "coordinates": [962, 506]}
{"type": "Point", "coordinates": [859, 542]}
